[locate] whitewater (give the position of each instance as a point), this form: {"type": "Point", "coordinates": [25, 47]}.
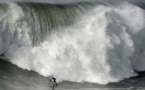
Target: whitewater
{"type": "Point", "coordinates": [79, 42]}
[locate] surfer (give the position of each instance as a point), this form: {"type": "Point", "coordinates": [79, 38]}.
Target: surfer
{"type": "Point", "coordinates": [53, 80]}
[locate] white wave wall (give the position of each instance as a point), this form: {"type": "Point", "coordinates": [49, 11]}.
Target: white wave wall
{"type": "Point", "coordinates": [105, 45]}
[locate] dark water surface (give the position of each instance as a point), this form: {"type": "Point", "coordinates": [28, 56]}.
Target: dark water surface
{"type": "Point", "coordinates": [14, 78]}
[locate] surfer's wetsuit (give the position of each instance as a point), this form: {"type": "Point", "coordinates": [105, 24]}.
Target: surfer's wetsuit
{"type": "Point", "coordinates": [53, 79]}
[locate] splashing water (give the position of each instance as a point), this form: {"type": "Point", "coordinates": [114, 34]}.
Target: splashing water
{"type": "Point", "coordinates": [80, 42]}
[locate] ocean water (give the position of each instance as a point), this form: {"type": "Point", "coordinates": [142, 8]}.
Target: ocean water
{"type": "Point", "coordinates": [84, 45]}
{"type": "Point", "coordinates": [14, 78]}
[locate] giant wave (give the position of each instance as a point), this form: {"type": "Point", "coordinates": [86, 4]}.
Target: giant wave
{"type": "Point", "coordinates": [79, 42]}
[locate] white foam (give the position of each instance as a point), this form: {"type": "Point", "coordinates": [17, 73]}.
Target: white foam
{"type": "Point", "coordinates": [99, 48]}
{"type": "Point", "coordinates": [134, 17]}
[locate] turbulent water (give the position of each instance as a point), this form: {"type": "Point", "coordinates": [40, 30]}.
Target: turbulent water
{"type": "Point", "coordinates": [78, 42]}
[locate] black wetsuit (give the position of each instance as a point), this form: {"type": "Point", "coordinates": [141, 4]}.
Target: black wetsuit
{"type": "Point", "coordinates": [52, 79]}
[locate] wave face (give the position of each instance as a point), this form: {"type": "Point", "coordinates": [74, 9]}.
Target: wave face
{"type": "Point", "coordinates": [80, 42]}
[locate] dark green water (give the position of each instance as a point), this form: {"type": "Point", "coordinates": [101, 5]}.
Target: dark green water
{"type": "Point", "coordinates": [41, 18]}
{"type": "Point", "coordinates": [14, 78]}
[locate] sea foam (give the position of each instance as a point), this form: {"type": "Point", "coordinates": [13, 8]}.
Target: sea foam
{"type": "Point", "coordinates": [105, 44]}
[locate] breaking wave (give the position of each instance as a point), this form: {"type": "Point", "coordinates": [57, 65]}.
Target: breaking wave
{"type": "Point", "coordinates": [79, 42]}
